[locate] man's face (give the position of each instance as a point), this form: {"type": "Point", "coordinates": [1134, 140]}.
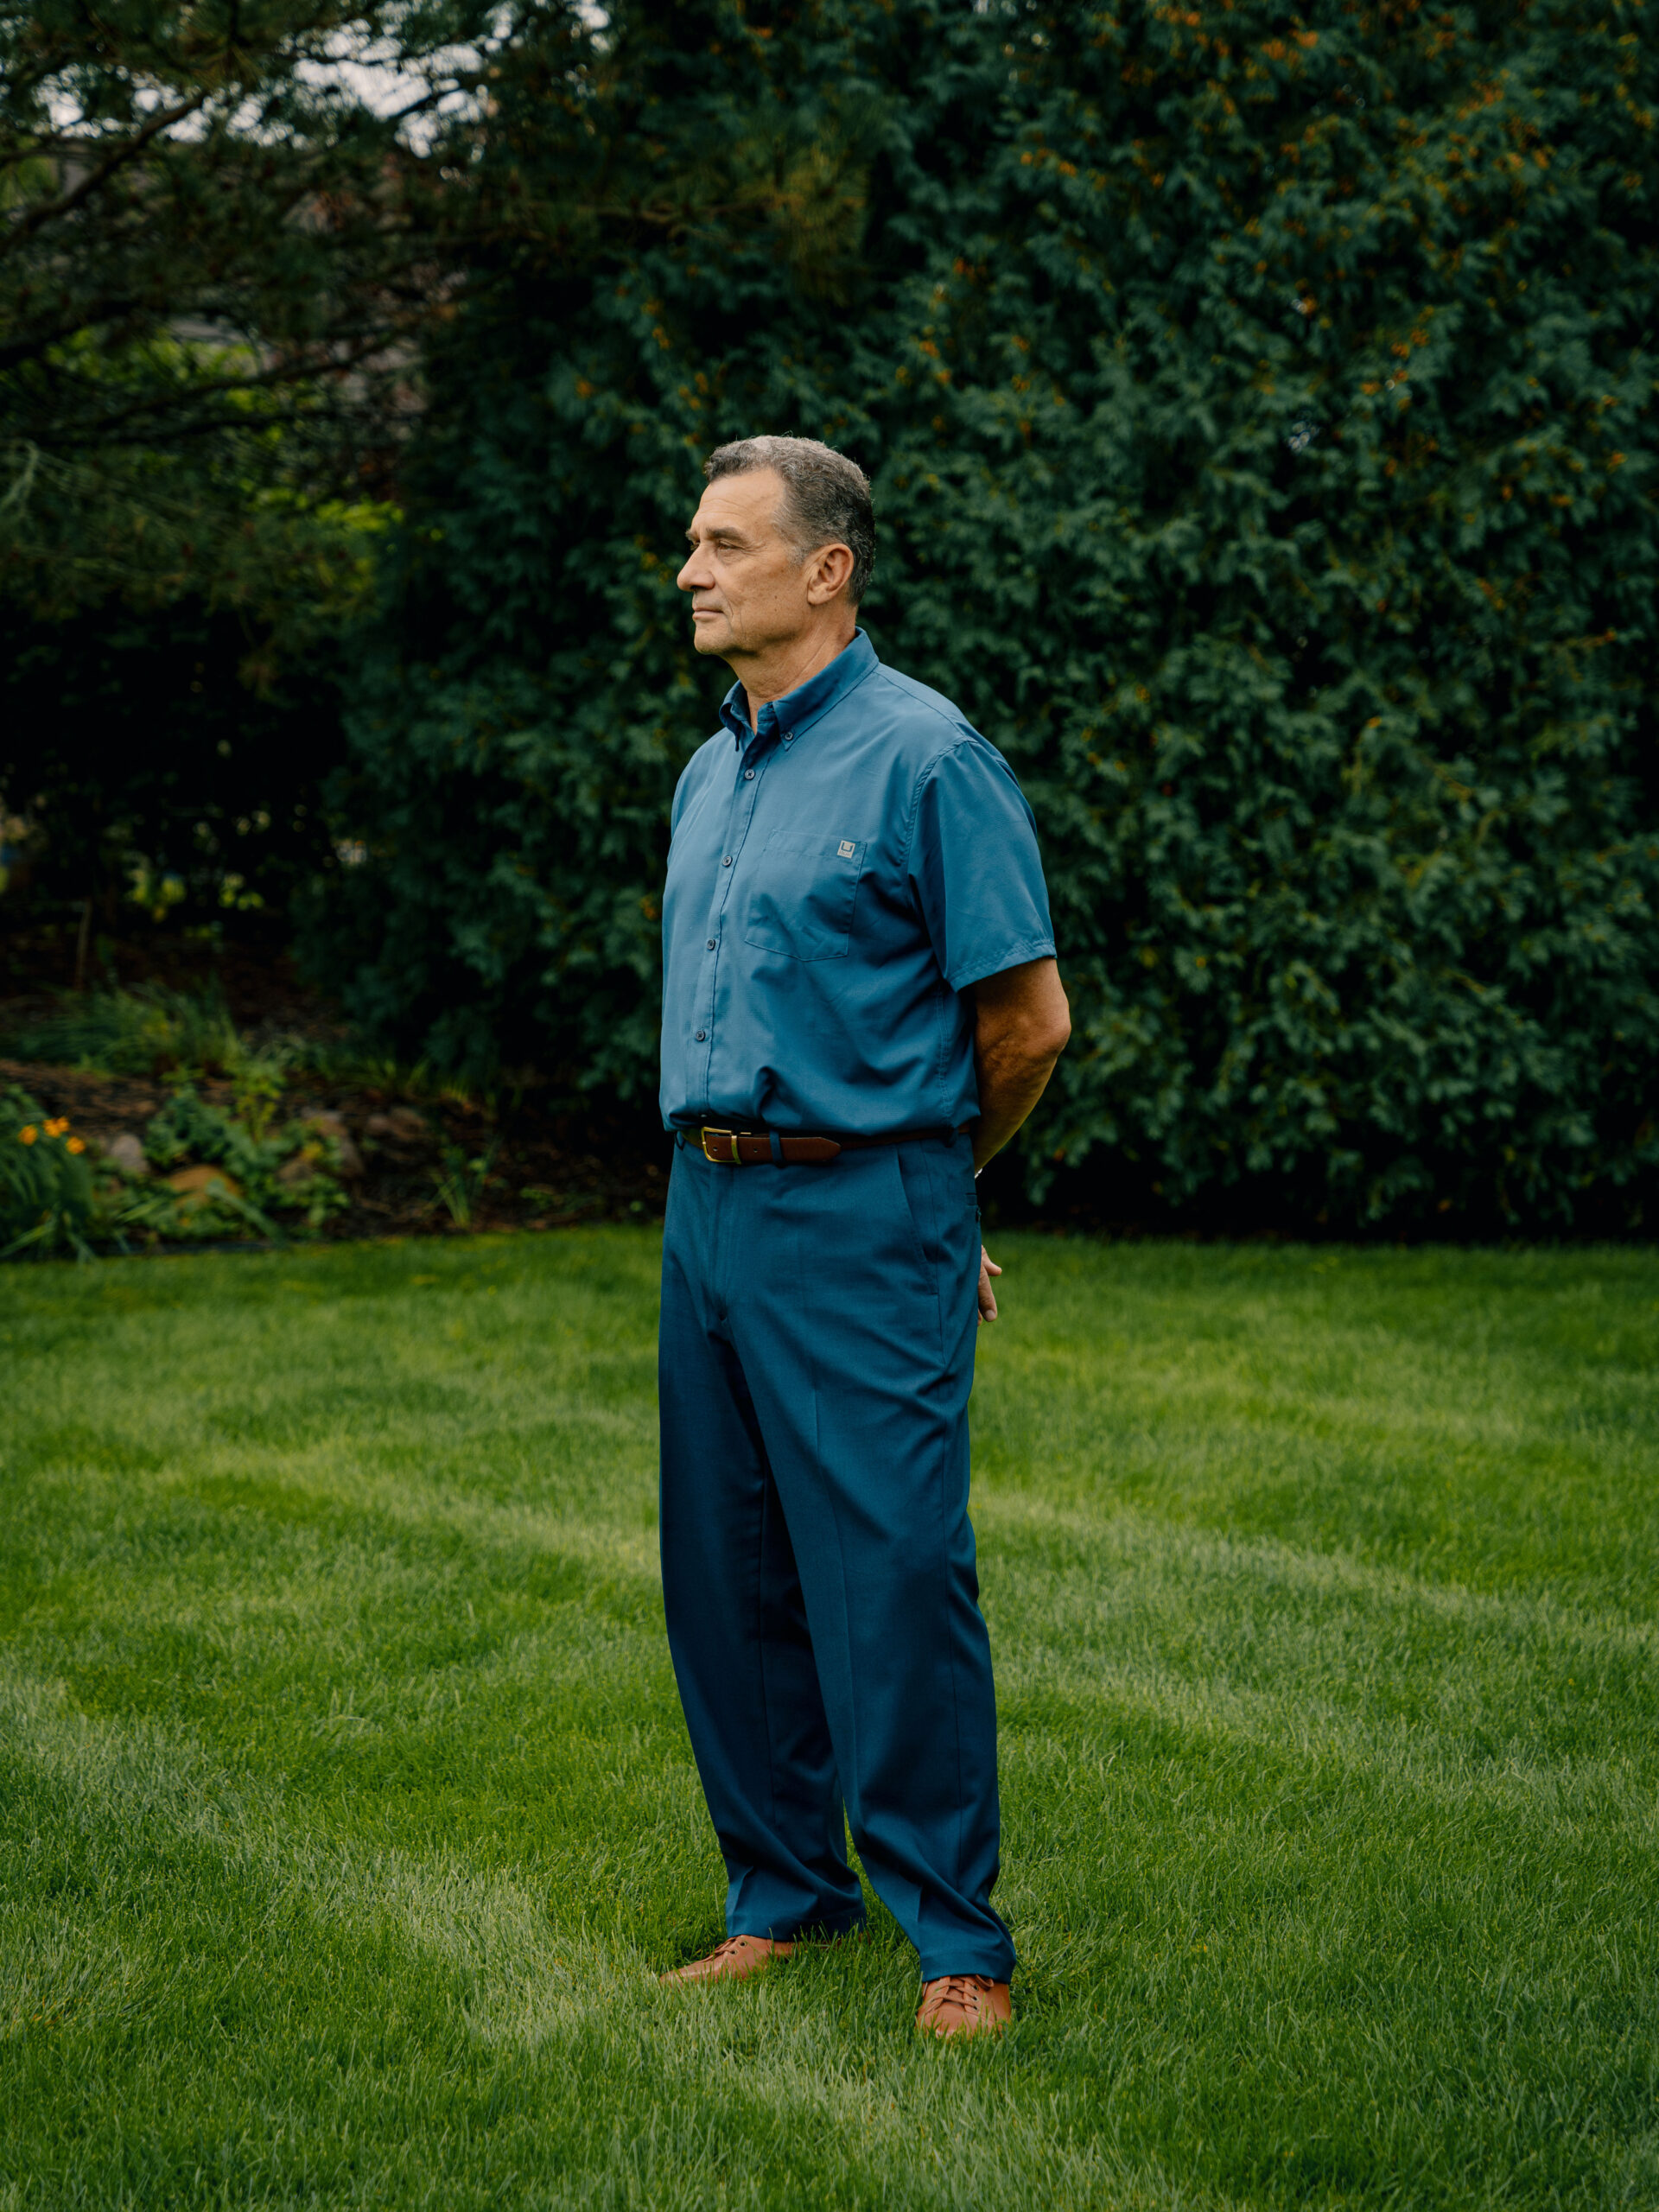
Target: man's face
{"type": "Point", "coordinates": [749, 586]}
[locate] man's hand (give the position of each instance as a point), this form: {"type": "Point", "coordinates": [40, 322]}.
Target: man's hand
{"type": "Point", "coordinates": [1022, 1023]}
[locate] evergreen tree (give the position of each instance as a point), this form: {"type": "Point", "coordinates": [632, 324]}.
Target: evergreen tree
{"type": "Point", "coordinates": [221, 235]}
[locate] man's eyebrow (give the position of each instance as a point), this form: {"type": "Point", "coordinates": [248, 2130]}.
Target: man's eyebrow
{"type": "Point", "coordinates": [722, 531]}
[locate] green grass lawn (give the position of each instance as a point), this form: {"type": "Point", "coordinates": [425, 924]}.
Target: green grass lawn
{"type": "Point", "coordinates": [346, 1814]}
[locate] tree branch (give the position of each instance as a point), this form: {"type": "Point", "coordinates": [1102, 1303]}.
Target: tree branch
{"type": "Point", "coordinates": [21, 232]}
{"type": "Point", "coordinates": [291, 371]}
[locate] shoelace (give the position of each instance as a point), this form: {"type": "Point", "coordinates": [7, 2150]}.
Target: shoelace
{"type": "Point", "coordinates": [962, 1989]}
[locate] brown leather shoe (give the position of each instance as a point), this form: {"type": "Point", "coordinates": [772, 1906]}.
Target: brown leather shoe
{"type": "Point", "coordinates": [964, 2004]}
{"type": "Point", "coordinates": [735, 1960]}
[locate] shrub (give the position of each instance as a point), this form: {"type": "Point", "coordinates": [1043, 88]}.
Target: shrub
{"type": "Point", "coordinates": [156, 772]}
{"type": "Point", "coordinates": [1261, 418]}
{"type": "Point", "coordinates": [189, 1128]}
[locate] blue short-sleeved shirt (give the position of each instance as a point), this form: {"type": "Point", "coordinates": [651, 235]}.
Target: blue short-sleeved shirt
{"type": "Point", "coordinates": [837, 878]}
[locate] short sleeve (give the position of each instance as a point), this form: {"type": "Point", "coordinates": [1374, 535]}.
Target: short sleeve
{"type": "Point", "coordinates": [975, 867]}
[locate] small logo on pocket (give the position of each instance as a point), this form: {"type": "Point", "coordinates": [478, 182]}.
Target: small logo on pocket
{"type": "Point", "coordinates": [846, 848]}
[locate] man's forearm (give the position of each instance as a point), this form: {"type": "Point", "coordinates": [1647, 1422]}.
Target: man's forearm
{"type": "Point", "coordinates": [1022, 1023]}
{"type": "Point", "coordinates": [1009, 1086]}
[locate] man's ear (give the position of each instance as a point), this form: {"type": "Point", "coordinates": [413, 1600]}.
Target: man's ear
{"type": "Point", "coordinates": [829, 569]}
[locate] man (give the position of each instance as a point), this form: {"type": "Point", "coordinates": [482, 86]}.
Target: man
{"type": "Point", "coordinates": [861, 1005]}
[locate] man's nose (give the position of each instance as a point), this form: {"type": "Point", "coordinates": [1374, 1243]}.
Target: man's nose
{"type": "Point", "coordinates": [695, 576]}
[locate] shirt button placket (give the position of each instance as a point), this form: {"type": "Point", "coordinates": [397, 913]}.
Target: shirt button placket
{"type": "Point", "coordinates": [744, 794]}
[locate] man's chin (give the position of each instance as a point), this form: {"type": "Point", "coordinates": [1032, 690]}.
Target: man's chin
{"type": "Point", "coordinates": [711, 637]}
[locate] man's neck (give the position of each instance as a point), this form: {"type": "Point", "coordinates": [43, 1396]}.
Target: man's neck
{"type": "Point", "coordinates": [774, 675]}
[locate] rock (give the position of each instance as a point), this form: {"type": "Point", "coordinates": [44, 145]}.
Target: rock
{"type": "Point", "coordinates": [295, 1174]}
{"type": "Point", "coordinates": [328, 1124]}
{"type": "Point", "coordinates": [402, 1124]}
{"type": "Point", "coordinates": [126, 1152]}
{"type": "Point", "coordinates": [204, 1185]}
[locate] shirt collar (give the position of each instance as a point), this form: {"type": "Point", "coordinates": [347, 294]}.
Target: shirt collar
{"type": "Point", "coordinates": [808, 701]}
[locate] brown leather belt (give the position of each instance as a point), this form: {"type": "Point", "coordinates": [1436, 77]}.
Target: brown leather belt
{"type": "Point", "coordinates": [753, 1147]}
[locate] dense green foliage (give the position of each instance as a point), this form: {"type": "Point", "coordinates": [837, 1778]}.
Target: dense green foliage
{"type": "Point", "coordinates": [1261, 408]}
{"type": "Point", "coordinates": [349, 1813]}
{"type": "Point", "coordinates": [151, 771]}
{"type": "Point", "coordinates": [189, 1132]}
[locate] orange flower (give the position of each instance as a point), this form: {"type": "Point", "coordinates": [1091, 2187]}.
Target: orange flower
{"type": "Point", "coordinates": [56, 1128]}
{"type": "Point", "coordinates": [28, 1135]}
{"type": "Point", "coordinates": [76, 1144]}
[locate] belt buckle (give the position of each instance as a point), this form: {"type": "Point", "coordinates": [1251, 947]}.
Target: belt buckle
{"type": "Point", "coordinates": [732, 1159]}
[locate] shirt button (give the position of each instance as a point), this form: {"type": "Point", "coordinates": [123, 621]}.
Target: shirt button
{"type": "Point", "coordinates": [727, 862]}
{"type": "Point", "coordinates": [711, 945]}
{"type": "Point", "coordinates": [702, 1036]}
{"type": "Point", "coordinates": [748, 775]}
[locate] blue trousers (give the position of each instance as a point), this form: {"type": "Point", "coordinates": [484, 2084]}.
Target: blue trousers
{"type": "Point", "coordinates": [817, 1355]}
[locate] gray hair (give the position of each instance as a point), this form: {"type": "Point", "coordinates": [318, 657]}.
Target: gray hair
{"type": "Point", "coordinates": [826, 496]}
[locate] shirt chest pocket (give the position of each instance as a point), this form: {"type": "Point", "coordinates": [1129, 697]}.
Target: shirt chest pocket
{"type": "Point", "coordinates": [801, 893]}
